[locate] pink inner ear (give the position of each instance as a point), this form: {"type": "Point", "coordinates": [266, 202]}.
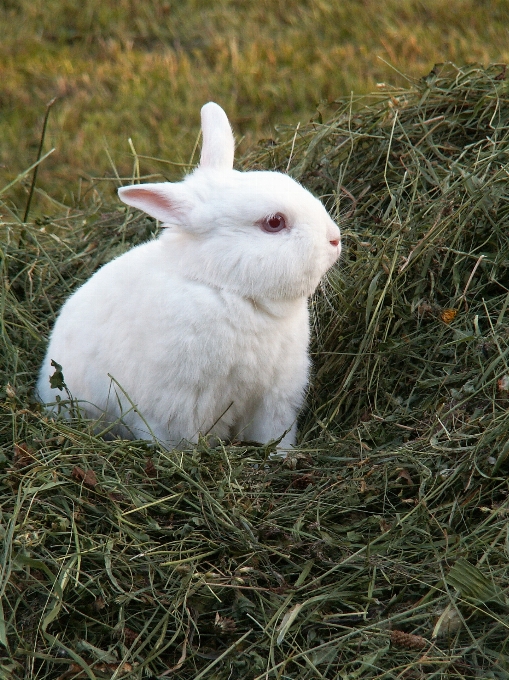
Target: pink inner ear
{"type": "Point", "coordinates": [152, 197]}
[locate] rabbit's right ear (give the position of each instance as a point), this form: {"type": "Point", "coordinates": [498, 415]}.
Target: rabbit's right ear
{"type": "Point", "coordinates": [218, 142]}
{"type": "Point", "coordinates": [169, 203]}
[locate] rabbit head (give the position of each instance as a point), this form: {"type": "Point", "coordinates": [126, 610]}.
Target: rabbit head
{"type": "Point", "coordinates": [259, 234]}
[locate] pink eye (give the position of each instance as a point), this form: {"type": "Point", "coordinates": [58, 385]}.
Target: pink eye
{"type": "Point", "coordinates": [273, 223]}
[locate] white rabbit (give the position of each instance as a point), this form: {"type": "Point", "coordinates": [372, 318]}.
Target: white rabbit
{"type": "Point", "coordinates": [205, 329]}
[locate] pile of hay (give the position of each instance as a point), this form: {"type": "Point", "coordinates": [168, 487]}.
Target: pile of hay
{"type": "Point", "coordinates": [380, 548]}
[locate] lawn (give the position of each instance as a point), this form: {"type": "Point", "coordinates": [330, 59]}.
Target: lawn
{"type": "Point", "coordinates": [141, 71]}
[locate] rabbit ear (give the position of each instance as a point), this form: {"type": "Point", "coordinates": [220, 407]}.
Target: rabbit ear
{"type": "Point", "coordinates": [218, 142]}
{"type": "Point", "coordinates": [166, 202]}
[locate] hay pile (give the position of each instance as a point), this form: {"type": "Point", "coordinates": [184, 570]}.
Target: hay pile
{"type": "Point", "coordinates": [380, 548]}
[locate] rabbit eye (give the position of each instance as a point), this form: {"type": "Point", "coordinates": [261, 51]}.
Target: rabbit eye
{"type": "Point", "coordinates": [273, 223]}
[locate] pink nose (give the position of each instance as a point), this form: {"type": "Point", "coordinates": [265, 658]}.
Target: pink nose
{"type": "Point", "coordinates": [334, 243]}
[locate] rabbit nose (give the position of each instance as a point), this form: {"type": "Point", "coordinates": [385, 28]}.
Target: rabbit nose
{"type": "Point", "coordinates": [333, 234]}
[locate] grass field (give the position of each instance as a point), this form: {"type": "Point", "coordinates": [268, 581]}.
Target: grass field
{"type": "Point", "coordinates": [379, 549]}
{"type": "Point", "coordinates": [126, 70]}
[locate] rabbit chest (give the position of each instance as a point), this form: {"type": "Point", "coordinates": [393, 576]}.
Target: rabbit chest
{"type": "Point", "coordinates": [242, 353]}
{"type": "Point", "coordinates": [250, 344]}
{"type": "Point", "coordinates": [235, 350]}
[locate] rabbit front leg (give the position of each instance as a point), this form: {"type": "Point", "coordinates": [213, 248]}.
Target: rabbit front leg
{"type": "Point", "coordinates": [273, 418]}
{"type": "Point", "coordinates": [274, 411]}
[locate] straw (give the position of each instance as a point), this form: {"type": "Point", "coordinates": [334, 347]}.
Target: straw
{"type": "Point", "coordinates": [378, 549]}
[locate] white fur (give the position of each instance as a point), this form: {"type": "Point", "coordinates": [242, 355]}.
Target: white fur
{"type": "Point", "coordinates": [205, 329]}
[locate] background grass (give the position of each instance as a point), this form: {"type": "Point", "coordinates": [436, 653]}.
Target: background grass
{"type": "Point", "coordinates": [138, 70]}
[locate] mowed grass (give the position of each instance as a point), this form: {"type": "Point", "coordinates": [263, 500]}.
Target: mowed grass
{"type": "Point", "coordinates": [378, 549]}
{"type": "Point", "coordinates": [141, 71]}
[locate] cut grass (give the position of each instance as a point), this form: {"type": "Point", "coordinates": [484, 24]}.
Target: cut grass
{"type": "Point", "coordinates": [379, 548]}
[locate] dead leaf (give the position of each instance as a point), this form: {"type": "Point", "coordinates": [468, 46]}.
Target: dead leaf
{"type": "Point", "coordinates": [150, 468]}
{"type": "Point", "coordinates": [129, 635]}
{"type": "Point", "coordinates": [448, 315]}
{"type": "Point", "coordinates": [24, 455]}
{"type": "Point", "coordinates": [224, 624]}
{"type": "Point", "coordinates": [303, 481]}
{"type": "Point", "coordinates": [88, 478]}
{"type": "Point", "coordinates": [503, 383]}
{"type": "Point", "coordinates": [99, 603]}
{"type": "Point", "coordinates": [402, 472]}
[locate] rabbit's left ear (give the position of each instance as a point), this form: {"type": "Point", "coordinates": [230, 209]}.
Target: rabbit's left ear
{"type": "Point", "coordinates": [218, 142]}
{"type": "Point", "coordinates": [169, 203]}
